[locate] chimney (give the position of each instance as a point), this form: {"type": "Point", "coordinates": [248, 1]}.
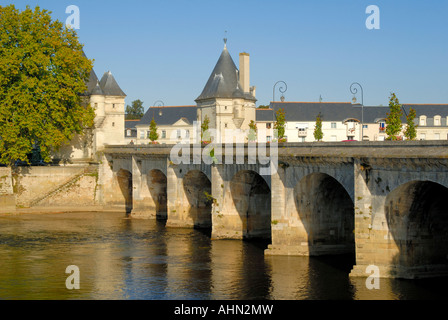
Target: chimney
{"type": "Point", "coordinates": [245, 72]}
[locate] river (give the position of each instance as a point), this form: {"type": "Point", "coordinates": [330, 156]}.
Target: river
{"type": "Point", "coordinates": [126, 259]}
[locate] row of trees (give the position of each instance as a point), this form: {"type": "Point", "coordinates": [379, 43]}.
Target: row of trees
{"type": "Point", "coordinates": [394, 125]}
{"type": "Point", "coordinates": [393, 129]}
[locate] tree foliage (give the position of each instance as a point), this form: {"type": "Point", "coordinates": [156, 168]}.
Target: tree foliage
{"type": "Point", "coordinates": [411, 128]}
{"type": "Point", "coordinates": [252, 136]}
{"type": "Point", "coordinates": [279, 125]}
{"type": "Point", "coordinates": [43, 75]}
{"type": "Point", "coordinates": [135, 110]}
{"type": "Point", "coordinates": [318, 133]}
{"type": "Point", "coordinates": [393, 120]}
{"type": "Point", "coordinates": [205, 134]}
{"type": "Point", "coordinates": [153, 135]}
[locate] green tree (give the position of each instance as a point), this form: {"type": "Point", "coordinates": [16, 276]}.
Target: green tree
{"type": "Point", "coordinates": [135, 110]}
{"type": "Point", "coordinates": [43, 75]}
{"type": "Point", "coordinates": [153, 135]}
{"type": "Point", "coordinates": [393, 120]}
{"type": "Point", "coordinates": [263, 107]}
{"type": "Point", "coordinates": [279, 125]}
{"type": "Point", "coordinates": [252, 136]}
{"type": "Point", "coordinates": [205, 134]}
{"type": "Point", "coordinates": [411, 128]}
{"type": "Point", "coordinates": [318, 133]}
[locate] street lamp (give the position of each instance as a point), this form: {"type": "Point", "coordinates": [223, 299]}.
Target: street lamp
{"type": "Point", "coordinates": [281, 89]}
{"type": "Point", "coordinates": [282, 98]}
{"type": "Point", "coordinates": [160, 104]}
{"type": "Point", "coordinates": [354, 91]}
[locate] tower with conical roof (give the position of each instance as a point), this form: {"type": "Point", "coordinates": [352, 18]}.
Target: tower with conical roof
{"type": "Point", "coordinates": [107, 98]}
{"type": "Point", "coordinates": [227, 98]}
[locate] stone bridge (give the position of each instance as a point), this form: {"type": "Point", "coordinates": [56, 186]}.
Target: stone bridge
{"type": "Point", "coordinates": [384, 202]}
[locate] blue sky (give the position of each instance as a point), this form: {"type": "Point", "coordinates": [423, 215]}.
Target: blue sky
{"type": "Point", "coordinates": [166, 50]}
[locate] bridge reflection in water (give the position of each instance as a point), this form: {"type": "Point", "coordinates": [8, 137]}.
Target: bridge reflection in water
{"type": "Point", "coordinates": [122, 258]}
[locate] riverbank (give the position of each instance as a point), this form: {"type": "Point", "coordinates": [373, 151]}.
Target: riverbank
{"type": "Point", "coordinates": [59, 209]}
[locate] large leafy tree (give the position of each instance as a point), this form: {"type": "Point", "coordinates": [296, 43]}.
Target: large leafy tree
{"type": "Point", "coordinates": [135, 110]}
{"type": "Point", "coordinates": [393, 120]}
{"type": "Point", "coordinates": [43, 75]}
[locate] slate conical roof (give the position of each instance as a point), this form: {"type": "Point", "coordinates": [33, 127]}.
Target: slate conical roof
{"type": "Point", "coordinates": [224, 81]}
{"type": "Point", "coordinates": [109, 86]}
{"type": "Point", "coordinates": [97, 91]}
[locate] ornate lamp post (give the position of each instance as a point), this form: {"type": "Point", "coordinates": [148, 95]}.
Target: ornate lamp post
{"type": "Point", "coordinates": [354, 91]}
{"type": "Point", "coordinates": [282, 98]}
{"type": "Point", "coordinates": [158, 103]}
{"type": "Point", "coordinates": [281, 89]}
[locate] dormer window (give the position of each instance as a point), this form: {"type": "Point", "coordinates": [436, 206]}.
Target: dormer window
{"type": "Point", "coordinates": [422, 121]}
{"type": "Point", "coordinates": [437, 120]}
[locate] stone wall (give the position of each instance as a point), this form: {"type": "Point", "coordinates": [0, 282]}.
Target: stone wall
{"type": "Point", "coordinates": [7, 197]}
{"type": "Point", "coordinates": [70, 186]}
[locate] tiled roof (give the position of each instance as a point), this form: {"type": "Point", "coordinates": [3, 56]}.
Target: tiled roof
{"type": "Point", "coordinates": [169, 115]}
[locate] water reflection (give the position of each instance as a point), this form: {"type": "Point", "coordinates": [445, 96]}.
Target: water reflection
{"type": "Point", "coordinates": [120, 258]}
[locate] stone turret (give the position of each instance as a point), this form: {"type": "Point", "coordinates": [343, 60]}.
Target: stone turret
{"type": "Point", "coordinates": [228, 102]}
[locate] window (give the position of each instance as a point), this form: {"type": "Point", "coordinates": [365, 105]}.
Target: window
{"type": "Point", "coordinates": [128, 132]}
{"type": "Point", "coordinates": [302, 139]}
{"type": "Point", "coordinates": [187, 133]}
{"type": "Point", "coordinates": [268, 125]}
{"type": "Point", "coordinates": [365, 126]}
{"type": "Point", "coordinates": [382, 126]}
{"type": "Point", "coordinates": [113, 124]}
{"type": "Point", "coordinates": [422, 120]}
{"type": "Point", "coordinates": [268, 138]}
{"type": "Point", "coordinates": [333, 125]}
{"type": "Point", "coordinates": [437, 120]}
{"type": "Point", "coordinates": [225, 125]}
{"type": "Point", "coordinates": [163, 134]}
{"type": "Point", "coordinates": [179, 134]}
{"type": "Point", "coordinates": [142, 134]}
{"type": "Point", "coordinates": [113, 105]}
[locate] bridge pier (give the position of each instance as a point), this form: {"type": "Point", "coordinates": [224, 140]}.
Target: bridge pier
{"type": "Point", "coordinates": [242, 202]}
{"type": "Point", "coordinates": [189, 196]}
{"type": "Point", "coordinates": [313, 208]}
{"type": "Point", "coordinates": [401, 217]}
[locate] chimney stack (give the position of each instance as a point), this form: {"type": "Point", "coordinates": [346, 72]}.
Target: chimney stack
{"type": "Point", "coordinates": [245, 72]}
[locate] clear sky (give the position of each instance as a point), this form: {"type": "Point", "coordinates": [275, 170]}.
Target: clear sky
{"type": "Point", "coordinates": [166, 50]}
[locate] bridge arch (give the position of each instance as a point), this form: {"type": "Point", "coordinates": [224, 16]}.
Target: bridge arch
{"type": "Point", "coordinates": [197, 190]}
{"type": "Point", "coordinates": [417, 217]}
{"type": "Point", "coordinates": [326, 211]}
{"type": "Point", "coordinates": [124, 180]}
{"type": "Point", "coordinates": [157, 186]}
{"type": "Point", "coordinates": [251, 198]}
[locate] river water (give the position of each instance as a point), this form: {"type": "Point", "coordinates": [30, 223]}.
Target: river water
{"type": "Point", "coordinates": [125, 259]}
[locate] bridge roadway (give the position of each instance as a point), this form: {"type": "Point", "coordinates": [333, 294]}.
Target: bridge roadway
{"type": "Point", "coordinates": [385, 202]}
